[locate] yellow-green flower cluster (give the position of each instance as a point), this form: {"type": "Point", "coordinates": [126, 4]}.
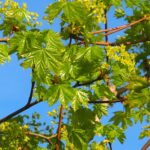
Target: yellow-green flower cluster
{"type": "Point", "coordinates": [12, 130]}
{"type": "Point", "coordinates": [4, 126]}
{"type": "Point", "coordinates": [11, 9]}
{"type": "Point", "coordinates": [97, 9]}
{"type": "Point", "coordinates": [119, 53]}
{"type": "Point", "coordinates": [7, 126]}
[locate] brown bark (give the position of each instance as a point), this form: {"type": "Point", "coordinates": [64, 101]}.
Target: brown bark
{"type": "Point", "coordinates": [146, 145]}
{"type": "Point", "coordinates": [59, 128]}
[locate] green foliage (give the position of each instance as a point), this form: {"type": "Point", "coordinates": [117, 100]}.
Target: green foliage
{"type": "Point", "coordinates": [38, 50]}
{"type": "Point", "coordinates": [16, 18]}
{"type": "Point", "coordinates": [145, 132]}
{"type": "Point", "coordinates": [111, 132]}
{"type": "Point", "coordinates": [14, 134]}
{"type": "Point", "coordinates": [66, 95]}
{"type": "Point", "coordinates": [121, 118]}
{"type": "Point", "coordinates": [83, 64]}
{"type": "Point", "coordinates": [102, 95]}
{"type": "Point", "coordinates": [77, 69]}
{"type": "Point", "coordinates": [4, 53]}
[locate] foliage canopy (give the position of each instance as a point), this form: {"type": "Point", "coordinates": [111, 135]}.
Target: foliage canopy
{"type": "Point", "coordinates": [79, 70]}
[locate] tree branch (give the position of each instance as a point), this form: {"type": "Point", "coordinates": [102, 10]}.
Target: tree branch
{"type": "Point", "coordinates": [59, 128]}
{"type": "Point", "coordinates": [100, 77]}
{"type": "Point", "coordinates": [146, 145]}
{"type": "Point", "coordinates": [110, 145]}
{"type": "Point", "coordinates": [106, 27]}
{"type": "Point", "coordinates": [4, 40]}
{"type": "Point", "coordinates": [102, 43]}
{"type": "Point", "coordinates": [45, 137]}
{"type": "Point", "coordinates": [118, 28]}
{"type": "Point", "coordinates": [27, 106]}
{"type": "Point", "coordinates": [106, 37]}
{"type": "Point", "coordinates": [117, 44]}
{"type": "Point", "coordinates": [126, 26]}
{"type": "Point", "coordinates": [113, 30]}
{"type": "Point", "coordinates": [31, 93]}
{"type": "Point", "coordinates": [106, 101]}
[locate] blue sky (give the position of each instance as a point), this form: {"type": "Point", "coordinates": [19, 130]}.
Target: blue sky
{"type": "Point", "coordinates": [15, 83]}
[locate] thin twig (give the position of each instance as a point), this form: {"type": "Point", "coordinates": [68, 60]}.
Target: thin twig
{"type": "Point", "coordinates": [4, 40]}
{"type": "Point", "coordinates": [31, 93]}
{"type": "Point", "coordinates": [102, 43]}
{"type": "Point", "coordinates": [43, 136]}
{"type": "Point", "coordinates": [106, 27]}
{"type": "Point", "coordinates": [100, 77]}
{"type": "Point", "coordinates": [106, 37]}
{"type": "Point", "coordinates": [70, 41]}
{"type": "Point", "coordinates": [120, 43]}
{"type": "Point", "coordinates": [59, 128]}
{"type": "Point", "coordinates": [110, 145]}
{"type": "Point", "coordinates": [126, 26]}
{"type": "Point", "coordinates": [118, 28]}
{"type": "Point", "coordinates": [106, 101]}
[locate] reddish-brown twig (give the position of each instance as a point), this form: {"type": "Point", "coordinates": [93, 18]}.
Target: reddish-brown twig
{"type": "Point", "coordinates": [118, 28]}
{"type": "Point", "coordinates": [59, 128]}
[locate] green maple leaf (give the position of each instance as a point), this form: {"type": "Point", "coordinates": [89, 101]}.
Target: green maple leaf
{"type": "Point", "coordinates": [77, 137]}
{"type": "Point", "coordinates": [43, 51]}
{"type": "Point", "coordinates": [121, 118]}
{"type": "Point", "coordinates": [102, 91]}
{"type": "Point", "coordinates": [54, 10]}
{"type": "Point", "coordinates": [66, 94]}
{"type": "Point", "coordinates": [82, 63]}
{"type": "Point", "coordinates": [23, 41]}
{"type": "Point", "coordinates": [4, 53]}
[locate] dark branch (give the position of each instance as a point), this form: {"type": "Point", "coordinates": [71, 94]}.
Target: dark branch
{"type": "Point", "coordinates": [106, 101]}
{"type": "Point", "coordinates": [59, 128]}
{"type": "Point", "coordinates": [27, 106]}
{"type": "Point", "coordinates": [106, 27]}
{"type": "Point", "coordinates": [110, 145]}
{"type": "Point", "coordinates": [106, 37]}
{"type": "Point", "coordinates": [31, 93]}
{"type": "Point", "coordinates": [100, 77]}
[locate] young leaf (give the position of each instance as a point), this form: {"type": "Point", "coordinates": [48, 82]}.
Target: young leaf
{"type": "Point", "coordinates": [53, 10]}
{"type": "Point", "coordinates": [4, 53]}
{"type": "Point", "coordinates": [67, 95]}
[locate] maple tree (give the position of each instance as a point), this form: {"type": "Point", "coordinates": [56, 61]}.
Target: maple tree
{"type": "Point", "coordinates": [79, 69]}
